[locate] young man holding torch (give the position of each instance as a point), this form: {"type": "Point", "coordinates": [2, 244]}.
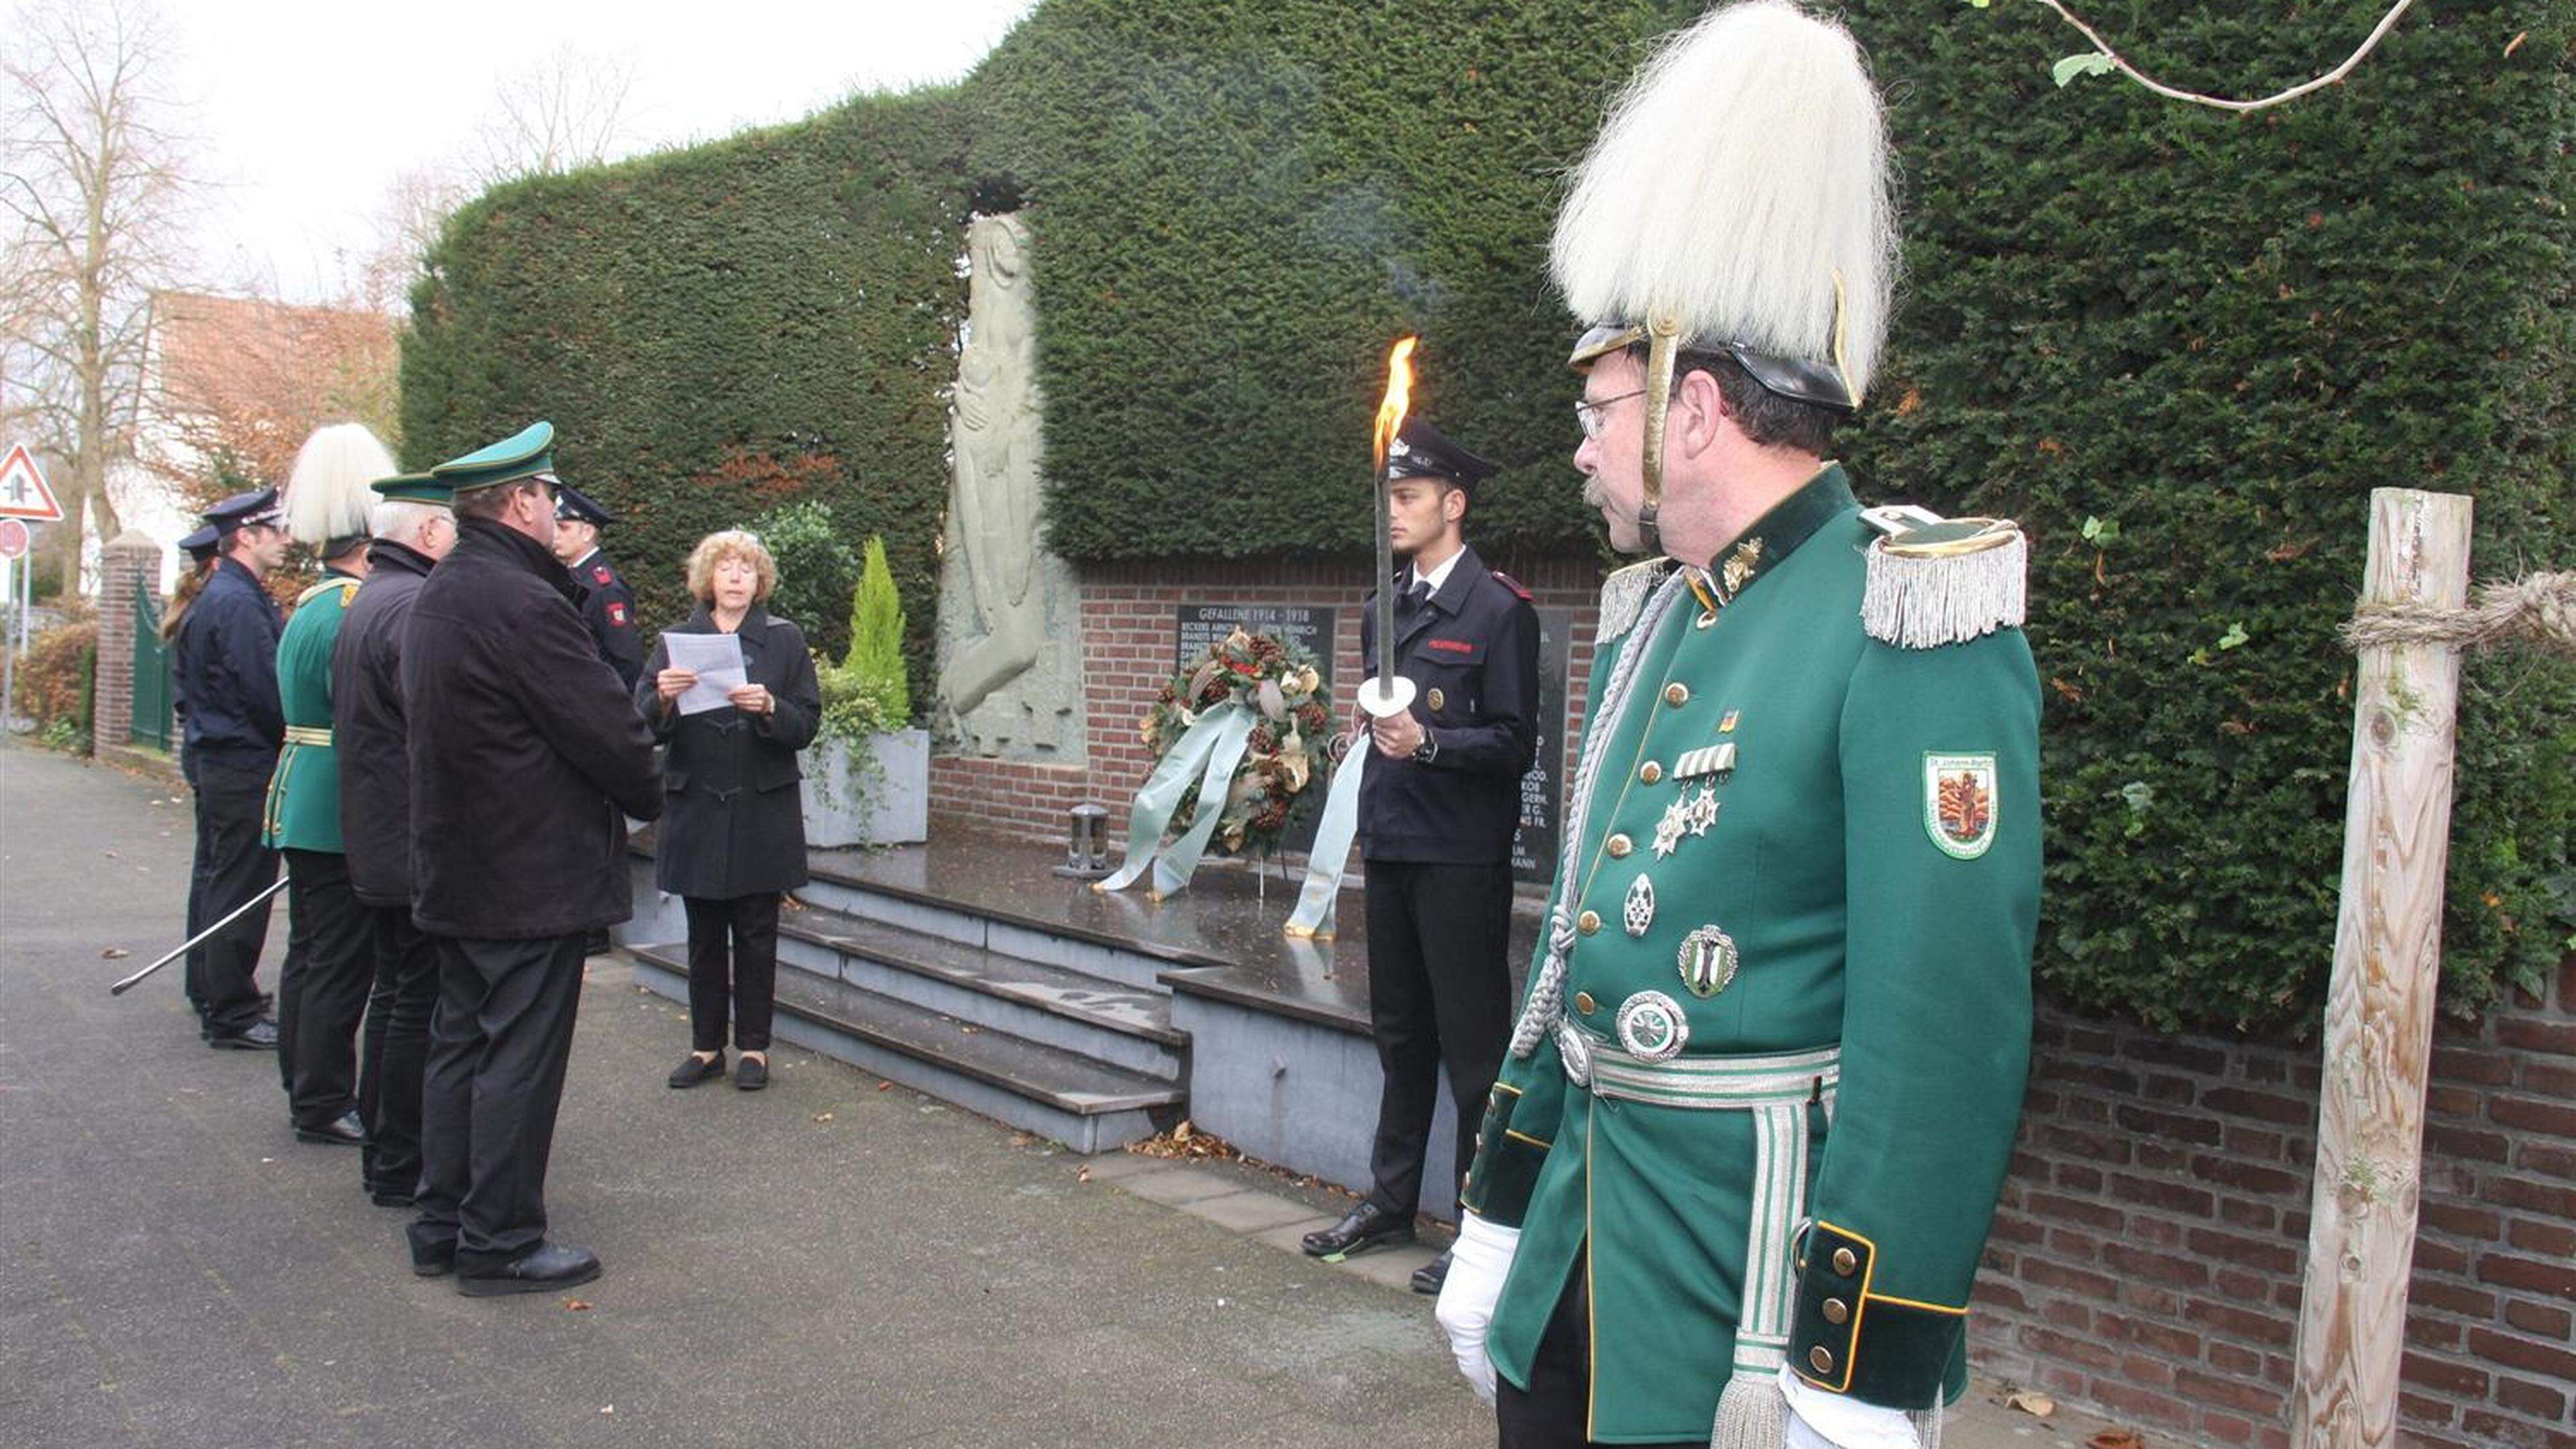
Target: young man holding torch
{"type": "Point", "coordinates": [1437, 810]}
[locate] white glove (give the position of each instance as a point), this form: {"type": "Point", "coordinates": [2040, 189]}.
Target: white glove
{"type": "Point", "coordinates": [1819, 1420]}
{"type": "Point", "coordinates": [1478, 1264]}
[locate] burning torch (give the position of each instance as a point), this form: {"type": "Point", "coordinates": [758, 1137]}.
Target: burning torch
{"type": "Point", "coordinates": [1387, 693]}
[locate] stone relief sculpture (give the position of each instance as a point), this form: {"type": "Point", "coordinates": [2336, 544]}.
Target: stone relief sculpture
{"type": "Point", "coordinates": [1010, 620]}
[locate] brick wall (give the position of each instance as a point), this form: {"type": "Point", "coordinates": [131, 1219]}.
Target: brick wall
{"type": "Point", "coordinates": [2147, 1259]}
{"type": "Point", "coordinates": [126, 562]}
{"type": "Point", "coordinates": [1127, 614]}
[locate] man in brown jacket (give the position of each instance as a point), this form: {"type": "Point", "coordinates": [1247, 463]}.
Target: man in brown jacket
{"type": "Point", "coordinates": [525, 752]}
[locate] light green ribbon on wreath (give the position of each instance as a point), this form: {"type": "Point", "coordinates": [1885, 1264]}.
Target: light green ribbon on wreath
{"type": "Point", "coordinates": [1320, 898]}
{"type": "Point", "coordinates": [1208, 751]}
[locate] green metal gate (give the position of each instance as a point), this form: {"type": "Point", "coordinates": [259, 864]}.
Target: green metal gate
{"type": "Point", "coordinates": [152, 718]}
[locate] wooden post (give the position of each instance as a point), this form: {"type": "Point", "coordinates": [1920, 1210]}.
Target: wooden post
{"type": "Point", "coordinates": [2379, 1004]}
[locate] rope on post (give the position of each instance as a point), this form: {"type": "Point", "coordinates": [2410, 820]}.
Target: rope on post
{"type": "Point", "coordinates": [2537, 608]}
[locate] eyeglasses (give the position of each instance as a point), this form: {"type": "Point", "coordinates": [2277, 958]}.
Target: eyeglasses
{"type": "Point", "coordinates": [1590, 414]}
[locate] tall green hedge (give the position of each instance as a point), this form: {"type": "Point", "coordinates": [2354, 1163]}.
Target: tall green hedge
{"type": "Point", "coordinates": [2180, 346]}
{"type": "Point", "coordinates": [2220, 333]}
{"type": "Point", "coordinates": [716, 332]}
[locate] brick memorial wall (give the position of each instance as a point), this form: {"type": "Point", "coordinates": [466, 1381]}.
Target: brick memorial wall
{"type": "Point", "coordinates": [1131, 618]}
{"type": "Point", "coordinates": [2147, 1258]}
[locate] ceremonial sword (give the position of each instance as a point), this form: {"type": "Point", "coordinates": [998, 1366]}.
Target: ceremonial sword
{"type": "Point", "coordinates": [184, 947]}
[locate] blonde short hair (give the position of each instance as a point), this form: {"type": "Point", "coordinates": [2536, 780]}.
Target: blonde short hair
{"type": "Point", "coordinates": [715, 548]}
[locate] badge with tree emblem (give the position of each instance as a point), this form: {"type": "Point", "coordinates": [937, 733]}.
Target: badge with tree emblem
{"type": "Point", "coordinates": [1959, 803]}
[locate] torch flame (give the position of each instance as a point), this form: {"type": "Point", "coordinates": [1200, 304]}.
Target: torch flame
{"type": "Point", "coordinates": [1399, 391]}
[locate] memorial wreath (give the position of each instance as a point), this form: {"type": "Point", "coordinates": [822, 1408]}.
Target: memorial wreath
{"type": "Point", "coordinates": [1275, 683]}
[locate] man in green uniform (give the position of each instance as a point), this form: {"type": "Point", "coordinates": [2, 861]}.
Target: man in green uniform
{"type": "Point", "coordinates": [322, 988]}
{"type": "Point", "coordinates": [1735, 1179]}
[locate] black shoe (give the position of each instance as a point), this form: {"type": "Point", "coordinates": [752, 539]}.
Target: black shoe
{"type": "Point", "coordinates": [750, 1074]}
{"type": "Point", "coordinates": [694, 1069]}
{"type": "Point", "coordinates": [1428, 1278]}
{"type": "Point", "coordinates": [391, 1197]}
{"type": "Point", "coordinates": [1363, 1227]}
{"type": "Point", "coordinates": [433, 1251]}
{"type": "Point", "coordinates": [550, 1267]}
{"type": "Point", "coordinates": [259, 1036]}
{"type": "Point", "coordinates": [341, 1131]}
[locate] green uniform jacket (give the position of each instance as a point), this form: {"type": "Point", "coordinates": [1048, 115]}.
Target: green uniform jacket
{"type": "Point", "coordinates": [1874, 858]}
{"type": "Point", "coordinates": [304, 794]}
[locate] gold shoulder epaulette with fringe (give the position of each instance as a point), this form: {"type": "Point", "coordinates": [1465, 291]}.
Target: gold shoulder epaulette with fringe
{"type": "Point", "coordinates": [345, 586]}
{"type": "Point", "coordinates": [1935, 581]}
{"type": "Point", "coordinates": [1623, 596]}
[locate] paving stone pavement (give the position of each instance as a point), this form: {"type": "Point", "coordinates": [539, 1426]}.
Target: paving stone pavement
{"type": "Point", "coordinates": [829, 1263]}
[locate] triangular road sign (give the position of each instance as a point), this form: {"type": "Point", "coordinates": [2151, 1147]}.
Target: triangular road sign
{"type": "Point", "coordinates": [23, 493]}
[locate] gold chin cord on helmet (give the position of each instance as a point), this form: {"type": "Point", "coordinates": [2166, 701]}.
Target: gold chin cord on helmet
{"type": "Point", "coordinates": [1663, 344]}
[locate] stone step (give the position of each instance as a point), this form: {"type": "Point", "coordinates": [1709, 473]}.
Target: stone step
{"type": "Point", "coordinates": [1122, 1026]}
{"type": "Point", "coordinates": [1084, 1104]}
{"type": "Point", "coordinates": [992, 929]}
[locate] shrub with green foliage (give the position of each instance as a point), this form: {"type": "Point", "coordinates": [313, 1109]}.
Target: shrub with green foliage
{"type": "Point", "coordinates": [876, 634]}
{"type": "Point", "coordinates": [716, 332]}
{"type": "Point", "coordinates": [817, 569]}
{"type": "Point", "coordinates": [2180, 346]}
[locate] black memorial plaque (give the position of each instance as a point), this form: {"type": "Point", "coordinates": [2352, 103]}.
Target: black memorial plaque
{"type": "Point", "coordinates": [1535, 844]}
{"type": "Point", "coordinates": [1196, 626]}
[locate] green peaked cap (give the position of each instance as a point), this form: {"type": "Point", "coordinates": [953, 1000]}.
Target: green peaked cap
{"type": "Point", "coordinates": [414, 488]}
{"type": "Point", "coordinates": [523, 454]}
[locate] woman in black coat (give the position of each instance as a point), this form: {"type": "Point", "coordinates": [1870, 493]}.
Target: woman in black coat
{"type": "Point", "coordinates": [733, 830]}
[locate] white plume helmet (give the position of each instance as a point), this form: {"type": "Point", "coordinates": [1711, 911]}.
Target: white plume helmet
{"type": "Point", "coordinates": [327, 496]}
{"type": "Point", "coordinates": [1739, 192]}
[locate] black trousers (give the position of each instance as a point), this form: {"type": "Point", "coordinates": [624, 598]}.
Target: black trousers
{"type": "Point", "coordinates": [749, 983]}
{"type": "Point", "coordinates": [395, 1048]}
{"type": "Point", "coordinates": [1550, 1413]}
{"type": "Point", "coordinates": [498, 1043]}
{"type": "Point", "coordinates": [231, 867]}
{"type": "Point", "coordinates": [1439, 994]}
{"type": "Point", "coordinates": [322, 987]}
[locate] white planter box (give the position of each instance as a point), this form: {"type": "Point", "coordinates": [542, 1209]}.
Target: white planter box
{"type": "Point", "coordinates": [846, 805]}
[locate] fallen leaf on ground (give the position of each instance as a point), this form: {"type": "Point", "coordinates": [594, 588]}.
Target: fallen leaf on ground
{"type": "Point", "coordinates": [114, 953]}
{"type": "Point", "coordinates": [1083, 1176]}
{"type": "Point", "coordinates": [576, 1305]}
{"type": "Point", "coordinates": [2117, 1439]}
{"type": "Point", "coordinates": [822, 1116]}
{"type": "Point", "coordinates": [885, 1086]}
{"type": "Point", "coordinates": [2037, 1405]}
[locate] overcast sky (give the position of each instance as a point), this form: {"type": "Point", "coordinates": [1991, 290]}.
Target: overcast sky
{"type": "Point", "coordinates": [310, 110]}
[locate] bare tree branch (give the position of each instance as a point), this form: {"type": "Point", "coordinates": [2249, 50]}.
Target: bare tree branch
{"type": "Point", "coordinates": [2115, 61]}
{"type": "Point", "coordinates": [563, 111]}
{"type": "Point", "coordinates": [94, 189]}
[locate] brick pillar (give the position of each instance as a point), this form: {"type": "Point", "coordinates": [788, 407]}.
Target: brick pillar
{"type": "Point", "coordinates": [129, 561]}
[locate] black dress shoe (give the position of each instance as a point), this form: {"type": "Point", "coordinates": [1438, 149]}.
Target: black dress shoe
{"type": "Point", "coordinates": [259, 1036]}
{"type": "Point", "coordinates": [433, 1253]}
{"type": "Point", "coordinates": [341, 1131]}
{"type": "Point", "coordinates": [1428, 1278]}
{"type": "Point", "coordinates": [751, 1074]}
{"type": "Point", "coordinates": [694, 1069]}
{"type": "Point", "coordinates": [550, 1267]}
{"type": "Point", "coordinates": [391, 1197]}
{"type": "Point", "coordinates": [1363, 1227]}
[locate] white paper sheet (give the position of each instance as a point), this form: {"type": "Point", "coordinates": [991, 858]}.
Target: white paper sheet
{"type": "Point", "coordinates": [717, 661]}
